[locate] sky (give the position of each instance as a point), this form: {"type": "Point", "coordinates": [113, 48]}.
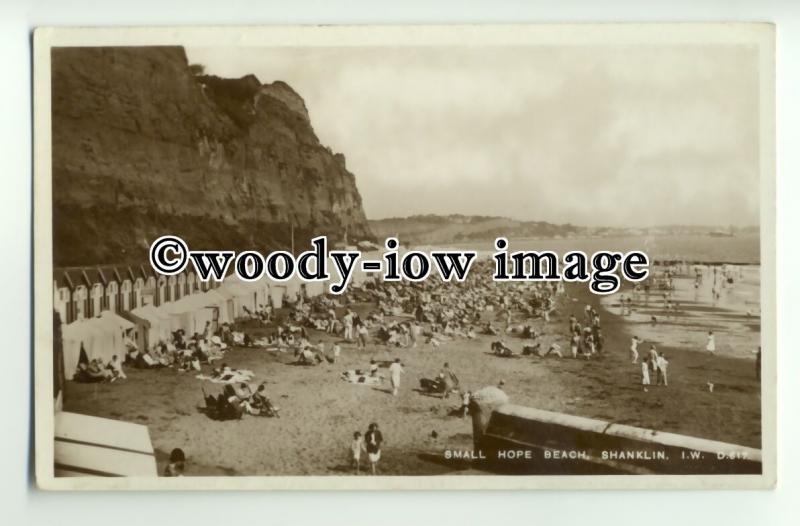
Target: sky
{"type": "Point", "coordinates": [590, 135]}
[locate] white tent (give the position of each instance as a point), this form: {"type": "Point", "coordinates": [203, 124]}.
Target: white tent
{"type": "Point", "coordinates": [159, 323]}
{"type": "Point", "coordinates": [316, 288]}
{"type": "Point", "coordinates": [101, 337]}
{"type": "Point", "coordinates": [212, 298]}
{"type": "Point", "coordinates": [190, 313]}
{"type": "Point", "coordinates": [276, 294]}
{"type": "Point", "coordinates": [245, 295]}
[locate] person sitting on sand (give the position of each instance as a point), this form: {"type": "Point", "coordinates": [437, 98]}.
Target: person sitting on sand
{"type": "Point", "coordinates": [500, 348]}
{"type": "Point", "coordinates": [96, 370]}
{"type": "Point", "coordinates": [447, 380]}
{"type": "Point", "coordinates": [177, 463]}
{"type": "Point", "coordinates": [553, 349]}
{"type": "Point", "coordinates": [259, 404]}
{"type": "Point", "coordinates": [373, 367]}
{"type": "Point", "coordinates": [308, 357]}
{"type": "Point", "coordinates": [115, 366]}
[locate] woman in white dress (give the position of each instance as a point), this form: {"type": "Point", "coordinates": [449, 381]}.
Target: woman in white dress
{"type": "Point", "coordinates": [711, 346]}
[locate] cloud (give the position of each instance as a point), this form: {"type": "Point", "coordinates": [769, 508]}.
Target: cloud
{"type": "Point", "coordinates": [589, 135]}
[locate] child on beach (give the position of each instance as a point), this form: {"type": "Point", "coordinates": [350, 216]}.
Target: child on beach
{"type": "Point", "coordinates": [711, 345]}
{"type": "Point", "coordinates": [356, 447]}
{"type": "Point", "coordinates": [465, 404]}
{"type": "Point", "coordinates": [177, 463]}
{"type": "Point", "coordinates": [634, 349]}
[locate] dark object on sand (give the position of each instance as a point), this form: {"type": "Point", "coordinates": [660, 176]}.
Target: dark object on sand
{"type": "Point", "coordinates": [220, 408]}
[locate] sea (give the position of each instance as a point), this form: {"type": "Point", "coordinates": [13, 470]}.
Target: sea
{"type": "Point", "coordinates": [742, 249]}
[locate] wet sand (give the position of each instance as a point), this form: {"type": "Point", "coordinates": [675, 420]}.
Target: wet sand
{"type": "Point", "coordinates": [320, 412]}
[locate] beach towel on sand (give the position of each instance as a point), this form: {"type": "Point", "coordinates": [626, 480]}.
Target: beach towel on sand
{"type": "Point", "coordinates": [355, 376]}
{"type": "Point", "coordinates": [232, 377]}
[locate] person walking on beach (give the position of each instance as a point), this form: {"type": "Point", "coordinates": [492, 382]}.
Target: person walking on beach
{"type": "Point", "coordinates": [634, 349]}
{"type": "Point", "coordinates": [575, 344]}
{"type": "Point", "coordinates": [373, 439]}
{"type": "Point", "coordinates": [711, 345]}
{"type": "Point", "coordinates": [362, 336]}
{"type": "Point", "coordinates": [347, 320]}
{"type": "Point", "coordinates": [653, 358]}
{"type": "Point", "coordinates": [661, 370]}
{"type": "Point", "coordinates": [396, 369]}
{"type": "Point", "coordinates": [356, 447]}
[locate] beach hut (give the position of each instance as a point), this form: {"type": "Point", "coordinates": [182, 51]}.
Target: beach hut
{"type": "Point", "coordinates": [88, 446]}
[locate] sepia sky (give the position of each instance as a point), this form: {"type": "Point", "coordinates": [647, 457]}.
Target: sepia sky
{"type": "Point", "coordinates": [614, 135]}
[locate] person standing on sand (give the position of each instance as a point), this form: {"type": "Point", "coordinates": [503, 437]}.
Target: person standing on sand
{"type": "Point", "coordinates": [711, 345]}
{"type": "Point", "coordinates": [396, 369]}
{"type": "Point", "coordinates": [362, 336]}
{"type": "Point", "coordinates": [348, 325]}
{"type": "Point", "coordinates": [758, 363]}
{"type": "Point", "coordinates": [373, 439]}
{"type": "Point", "coordinates": [661, 370]}
{"type": "Point", "coordinates": [645, 375]}
{"type": "Point", "coordinates": [653, 358]}
{"type": "Point", "coordinates": [634, 349]}
{"type": "Point", "coordinates": [356, 447]}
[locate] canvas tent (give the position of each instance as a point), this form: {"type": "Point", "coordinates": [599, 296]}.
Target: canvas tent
{"type": "Point", "coordinates": [244, 295]}
{"type": "Point", "coordinates": [215, 300]}
{"type": "Point", "coordinates": [276, 294]}
{"type": "Point", "coordinates": [230, 302]}
{"type": "Point", "coordinates": [159, 323]}
{"type": "Point", "coordinates": [190, 313]}
{"type": "Point", "coordinates": [87, 446]}
{"type": "Point", "coordinates": [316, 288]}
{"type": "Point", "coordinates": [101, 337]}
{"type": "Point", "coordinates": [141, 330]}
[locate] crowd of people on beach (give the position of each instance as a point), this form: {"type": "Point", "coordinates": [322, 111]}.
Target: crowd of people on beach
{"type": "Point", "coordinates": [394, 316]}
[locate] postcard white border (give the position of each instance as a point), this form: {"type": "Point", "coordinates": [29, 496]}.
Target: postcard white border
{"type": "Point", "coordinates": [757, 34]}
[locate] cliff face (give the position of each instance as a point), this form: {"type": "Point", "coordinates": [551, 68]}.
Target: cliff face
{"type": "Point", "coordinates": [142, 146]}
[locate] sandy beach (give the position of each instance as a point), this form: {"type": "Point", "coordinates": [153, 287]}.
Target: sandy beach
{"type": "Point", "coordinates": [320, 412]}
